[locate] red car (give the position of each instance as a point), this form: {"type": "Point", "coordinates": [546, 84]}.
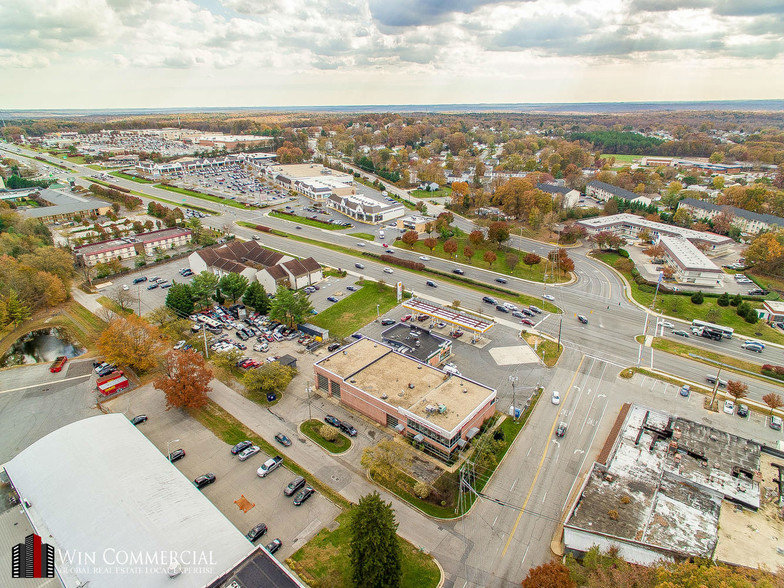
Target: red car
{"type": "Point", "coordinates": [405, 318]}
{"type": "Point", "coordinates": [528, 322]}
{"type": "Point", "coordinates": [269, 337]}
{"type": "Point", "coordinates": [385, 246]}
{"type": "Point", "coordinates": [457, 334]}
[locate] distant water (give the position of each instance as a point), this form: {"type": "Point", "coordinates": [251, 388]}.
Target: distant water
{"type": "Point", "coordinates": [531, 107]}
{"type": "Point", "coordinates": [40, 346]}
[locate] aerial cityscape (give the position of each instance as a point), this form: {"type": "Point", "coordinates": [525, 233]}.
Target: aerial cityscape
{"type": "Point", "coordinates": [485, 293]}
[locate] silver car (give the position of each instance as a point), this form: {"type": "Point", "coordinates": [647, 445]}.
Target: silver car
{"type": "Point", "coordinates": [249, 452]}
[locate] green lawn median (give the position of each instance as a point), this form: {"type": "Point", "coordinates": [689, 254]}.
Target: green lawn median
{"type": "Point", "coordinates": [312, 430]}
{"type": "Point", "coordinates": [294, 218]}
{"type": "Point", "coordinates": [136, 179]}
{"type": "Point", "coordinates": [203, 196]}
{"type": "Point", "coordinates": [366, 236]}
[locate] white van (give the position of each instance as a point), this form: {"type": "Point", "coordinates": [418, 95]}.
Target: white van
{"type": "Point", "coordinates": [752, 346]}
{"type": "Point", "coordinates": [775, 423]}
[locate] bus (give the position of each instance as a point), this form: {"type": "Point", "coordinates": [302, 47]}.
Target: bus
{"type": "Point", "coordinates": [726, 332]}
{"type": "Point", "coordinates": [58, 364]}
{"type": "Point", "coordinates": [210, 322]}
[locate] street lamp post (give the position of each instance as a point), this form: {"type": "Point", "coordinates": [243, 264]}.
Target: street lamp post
{"type": "Point", "coordinates": [168, 448]}
{"type": "Point", "coordinates": [513, 379]}
{"type": "Point", "coordinates": [310, 416]}
{"type": "Point", "coordinates": [378, 312]}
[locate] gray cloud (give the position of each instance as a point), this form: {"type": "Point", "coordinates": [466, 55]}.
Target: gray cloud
{"type": "Point", "coordinates": [719, 7]}
{"type": "Point", "coordinates": [392, 14]}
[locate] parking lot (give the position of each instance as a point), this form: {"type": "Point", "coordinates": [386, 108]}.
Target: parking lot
{"type": "Point", "coordinates": [204, 452]}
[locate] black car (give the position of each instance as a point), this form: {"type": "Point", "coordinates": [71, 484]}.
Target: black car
{"type": "Point", "coordinates": [333, 347]}
{"type": "Point", "coordinates": [273, 546]}
{"type": "Point", "coordinates": [176, 454]}
{"type": "Point", "coordinates": [348, 429]}
{"type": "Point", "coordinates": [388, 321]}
{"type": "Point", "coordinates": [500, 308]}
{"type": "Point", "coordinates": [303, 495]}
{"type": "Point", "coordinates": [489, 300]}
{"type": "Point", "coordinates": [105, 371]}
{"type": "Point", "coordinates": [283, 440]}
{"type": "Point", "coordinates": [359, 266]}
{"type": "Point", "coordinates": [241, 446]}
{"type": "Point", "coordinates": [501, 280]}
{"type": "Point", "coordinates": [204, 480]}
{"type": "Point", "coordinates": [458, 271]}
{"type": "Point", "coordinates": [331, 420]}
{"type": "Point", "coordinates": [152, 286]}
{"type": "Point", "coordinates": [431, 283]}
{"type": "Point", "coordinates": [582, 319]}
{"type": "Point", "coordinates": [139, 280]}
{"type": "Point", "coordinates": [743, 410]}
{"type": "Point", "coordinates": [352, 288]}
{"type": "Point", "coordinates": [294, 485]}
{"type": "Point", "coordinates": [137, 420]}
{"type": "Point", "coordinates": [332, 299]}
{"type": "Point", "coordinates": [256, 532]}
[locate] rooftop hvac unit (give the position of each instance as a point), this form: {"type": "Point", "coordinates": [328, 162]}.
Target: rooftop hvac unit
{"type": "Point", "coordinates": [442, 408]}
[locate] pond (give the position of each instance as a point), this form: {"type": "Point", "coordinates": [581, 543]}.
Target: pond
{"type": "Point", "coordinates": [41, 346]}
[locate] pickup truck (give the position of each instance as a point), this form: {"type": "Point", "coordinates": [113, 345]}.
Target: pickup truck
{"type": "Point", "coordinates": [269, 465]}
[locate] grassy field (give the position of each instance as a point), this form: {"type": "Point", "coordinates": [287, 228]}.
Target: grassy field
{"type": "Point", "coordinates": [679, 306]}
{"type": "Point", "coordinates": [366, 236]}
{"type": "Point", "coordinates": [78, 159]}
{"type": "Point", "coordinates": [534, 273]}
{"type": "Point", "coordinates": [548, 351]}
{"type": "Point", "coordinates": [113, 306]}
{"type": "Point", "coordinates": [356, 310]}
{"type": "Point", "coordinates": [201, 195]}
{"type": "Point", "coordinates": [293, 218]}
{"type": "Point", "coordinates": [131, 178]}
{"type": "Point", "coordinates": [426, 194]}
{"type": "Point", "coordinates": [231, 431]}
{"type": "Point", "coordinates": [623, 158]}
{"type": "Point", "coordinates": [311, 430]}
{"type": "Point", "coordinates": [324, 560]}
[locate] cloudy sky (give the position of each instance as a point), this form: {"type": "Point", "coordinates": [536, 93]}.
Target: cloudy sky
{"type": "Point", "coordinates": [224, 53]}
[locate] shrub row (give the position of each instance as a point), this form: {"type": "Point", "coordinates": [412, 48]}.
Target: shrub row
{"type": "Point", "coordinates": [414, 265]}
{"type": "Point", "coordinates": [773, 371]}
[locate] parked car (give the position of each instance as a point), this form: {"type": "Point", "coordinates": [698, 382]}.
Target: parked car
{"type": "Point", "coordinates": [256, 532]}
{"type": "Point", "coordinates": [138, 420]}
{"type": "Point", "coordinates": [352, 288]}
{"type": "Point", "coordinates": [333, 347]}
{"type": "Point", "coordinates": [555, 397]}
{"type": "Point", "coordinates": [282, 439]}
{"type": "Point", "coordinates": [729, 407]}
{"type": "Point", "coordinates": [139, 280]}
{"type": "Point", "coordinates": [331, 420]}
{"type": "Point", "coordinates": [743, 410]}
{"type": "Point", "coordinates": [303, 495]}
{"type": "Point", "coordinates": [273, 546]}
{"type": "Point", "coordinates": [452, 370]}
{"type": "Point", "coordinates": [269, 466]}
{"type": "Point", "coordinates": [294, 485]}
{"type": "Point", "coordinates": [204, 480]}
{"type": "Point", "coordinates": [527, 321]}
{"type": "Point", "coordinates": [249, 452]}
{"type": "Point", "coordinates": [501, 308]}
{"type": "Point", "coordinates": [332, 299]}
{"type": "Point", "coordinates": [387, 321]}
{"type": "Point", "coordinates": [535, 309]}
{"type": "Point", "coordinates": [241, 446]}
{"type": "Point", "coordinates": [152, 286]}
{"type": "Point", "coordinates": [405, 318]}
{"type": "Point", "coordinates": [348, 429]}
{"type": "Point", "coordinates": [176, 454]}
{"type": "Point", "coordinates": [775, 423]}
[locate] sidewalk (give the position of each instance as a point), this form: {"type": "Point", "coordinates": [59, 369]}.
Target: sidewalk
{"type": "Point", "coordinates": [337, 473]}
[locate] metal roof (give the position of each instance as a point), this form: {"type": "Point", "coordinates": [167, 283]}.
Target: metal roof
{"type": "Point", "coordinates": [99, 487]}
{"type": "Point", "coordinates": [448, 315]}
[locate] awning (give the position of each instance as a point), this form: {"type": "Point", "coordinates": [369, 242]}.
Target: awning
{"type": "Point", "coordinates": [419, 438]}
{"type": "Point", "coordinates": [472, 432]}
{"type": "Point", "coordinates": [400, 427]}
{"type": "Point", "coordinates": [461, 443]}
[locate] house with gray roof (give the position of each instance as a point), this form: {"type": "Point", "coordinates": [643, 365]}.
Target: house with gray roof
{"type": "Point", "coordinates": [603, 192]}
{"type": "Point", "coordinates": [749, 223]}
{"type": "Point", "coordinates": [569, 196]}
{"type": "Point", "coordinates": [59, 206]}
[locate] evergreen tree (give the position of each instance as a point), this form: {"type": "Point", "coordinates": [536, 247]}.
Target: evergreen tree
{"type": "Point", "coordinates": [697, 297]}
{"type": "Point", "coordinates": [724, 299]}
{"type": "Point", "coordinates": [256, 297]}
{"type": "Point", "coordinates": [375, 550]}
{"type": "Point", "coordinates": [203, 287]}
{"type": "Point", "coordinates": [180, 299]}
{"type": "Point", "coordinates": [233, 285]}
{"type": "Point", "coordinates": [736, 300]}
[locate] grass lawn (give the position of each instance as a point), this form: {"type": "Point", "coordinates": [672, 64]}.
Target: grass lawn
{"type": "Point", "coordinates": [366, 236]}
{"type": "Point", "coordinates": [445, 191]}
{"type": "Point", "coordinates": [201, 195]}
{"type": "Point", "coordinates": [548, 351]}
{"type": "Point", "coordinates": [680, 306]}
{"type": "Point", "coordinates": [113, 306]}
{"type": "Point", "coordinates": [324, 560]}
{"type": "Point", "coordinates": [131, 178]}
{"type": "Point", "coordinates": [356, 310]}
{"type": "Point", "coordinates": [231, 431]}
{"type": "Point", "coordinates": [311, 430]}
{"type": "Point", "coordinates": [78, 159]}
{"type": "Point", "coordinates": [623, 158]}
{"type": "Point", "coordinates": [293, 218]}
{"type": "Point", "coordinates": [534, 273]}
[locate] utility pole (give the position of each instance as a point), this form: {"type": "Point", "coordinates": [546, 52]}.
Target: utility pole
{"type": "Point", "coordinates": [307, 389]}
{"type": "Point", "coordinates": [716, 386]}
{"type": "Point", "coordinates": [513, 379]}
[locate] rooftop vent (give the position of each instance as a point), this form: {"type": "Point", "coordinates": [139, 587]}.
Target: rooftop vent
{"type": "Point", "coordinates": [411, 386]}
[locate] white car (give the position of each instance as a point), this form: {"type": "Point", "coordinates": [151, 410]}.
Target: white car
{"type": "Point", "coordinates": [667, 325]}
{"type": "Point", "coordinates": [548, 297]}
{"type": "Point", "coordinates": [555, 397]}
{"type": "Point", "coordinates": [249, 452]}
{"type": "Point", "coordinates": [180, 344]}
{"type": "Point", "coordinates": [424, 258]}
{"type": "Point", "coordinates": [387, 270]}
{"type": "Point", "coordinates": [261, 347]}
{"type": "Point", "coordinates": [451, 369]}
{"type": "Point", "coordinates": [729, 407]}
{"type": "Point", "coordinates": [510, 306]}
{"type": "Point", "coordinates": [125, 286]}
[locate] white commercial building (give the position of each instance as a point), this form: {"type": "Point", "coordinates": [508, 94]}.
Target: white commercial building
{"type": "Point", "coordinates": [690, 264]}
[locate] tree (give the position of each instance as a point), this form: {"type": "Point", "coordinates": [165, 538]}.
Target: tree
{"type": "Point", "coordinates": [697, 297]}
{"type": "Point", "coordinates": [765, 248]}
{"type": "Point", "coordinates": [531, 259]}
{"type": "Point", "coordinates": [450, 247]}
{"type": "Point", "coordinates": [773, 400]}
{"type": "Point", "coordinates": [562, 260]}
{"type": "Point", "coordinates": [476, 238]}
{"type": "Point", "coordinates": [490, 258]}
{"type": "Point", "coordinates": [736, 300]}
{"type": "Point", "coordinates": [179, 299]}
{"type": "Point", "coordinates": [203, 286]}
{"type": "Point", "coordinates": [185, 380]}
{"type": "Point", "coordinates": [430, 243]}
{"type": "Point", "coordinates": [498, 232]}
{"type": "Point", "coordinates": [375, 549]}
{"type": "Point", "coordinates": [233, 285]}
{"type": "Point", "coordinates": [655, 251]}
{"type": "Point", "coordinates": [15, 312]}
{"type": "Point", "coordinates": [469, 252]}
{"type": "Point", "coordinates": [511, 261]}
{"type": "Point", "coordinates": [289, 307]}
{"type": "Point", "coordinates": [328, 433]}
{"type": "Point", "coordinates": [724, 299]}
{"type": "Point", "coordinates": [271, 377]}
{"type": "Point", "coordinates": [667, 271]}
{"type": "Point", "coordinates": [410, 238]}
{"type": "Point", "coordinates": [131, 341]}
{"type": "Point", "coordinates": [552, 574]}
{"type": "Point", "coordinates": [738, 390]}
{"type": "Point", "coordinates": [682, 217]}
{"type": "Point", "coordinates": [256, 298]}
{"type": "Point", "coordinates": [383, 459]}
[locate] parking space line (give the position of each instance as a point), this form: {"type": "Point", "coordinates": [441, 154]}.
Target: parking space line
{"type": "Point", "coordinates": [45, 384]}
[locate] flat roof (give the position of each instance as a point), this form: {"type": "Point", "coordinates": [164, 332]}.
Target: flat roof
{"type": "Point", "coordinates": [413, 340]}
{"type": "Point", "coordinates": [99, 483]}
{"type": "Point", "coordinates": [259, 569]}
{"type": "Point", "coordinates": [687, 255]}
{"type": "Point", "coordinates": [297, 171]}
{"type": "Point", "coordinates": [448, 315]}
{"type": "Point", "coordinates": [603, 222]}
{"type": "Point", "coordinates": [62, 204]}
{"type": "Point", "coordinates": [381, 372]}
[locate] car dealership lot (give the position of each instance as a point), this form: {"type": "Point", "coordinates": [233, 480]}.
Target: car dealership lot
{"type": "Point", "coordinates": [207, 453]}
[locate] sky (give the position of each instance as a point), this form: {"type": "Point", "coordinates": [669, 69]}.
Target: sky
{"type": "Point", "coordinates": [245, 53]}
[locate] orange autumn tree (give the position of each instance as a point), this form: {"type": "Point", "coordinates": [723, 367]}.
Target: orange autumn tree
{"type": "Point", "coordinates": [185, 380]}
{"type": "Point", "coordinates": [131, 341]}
